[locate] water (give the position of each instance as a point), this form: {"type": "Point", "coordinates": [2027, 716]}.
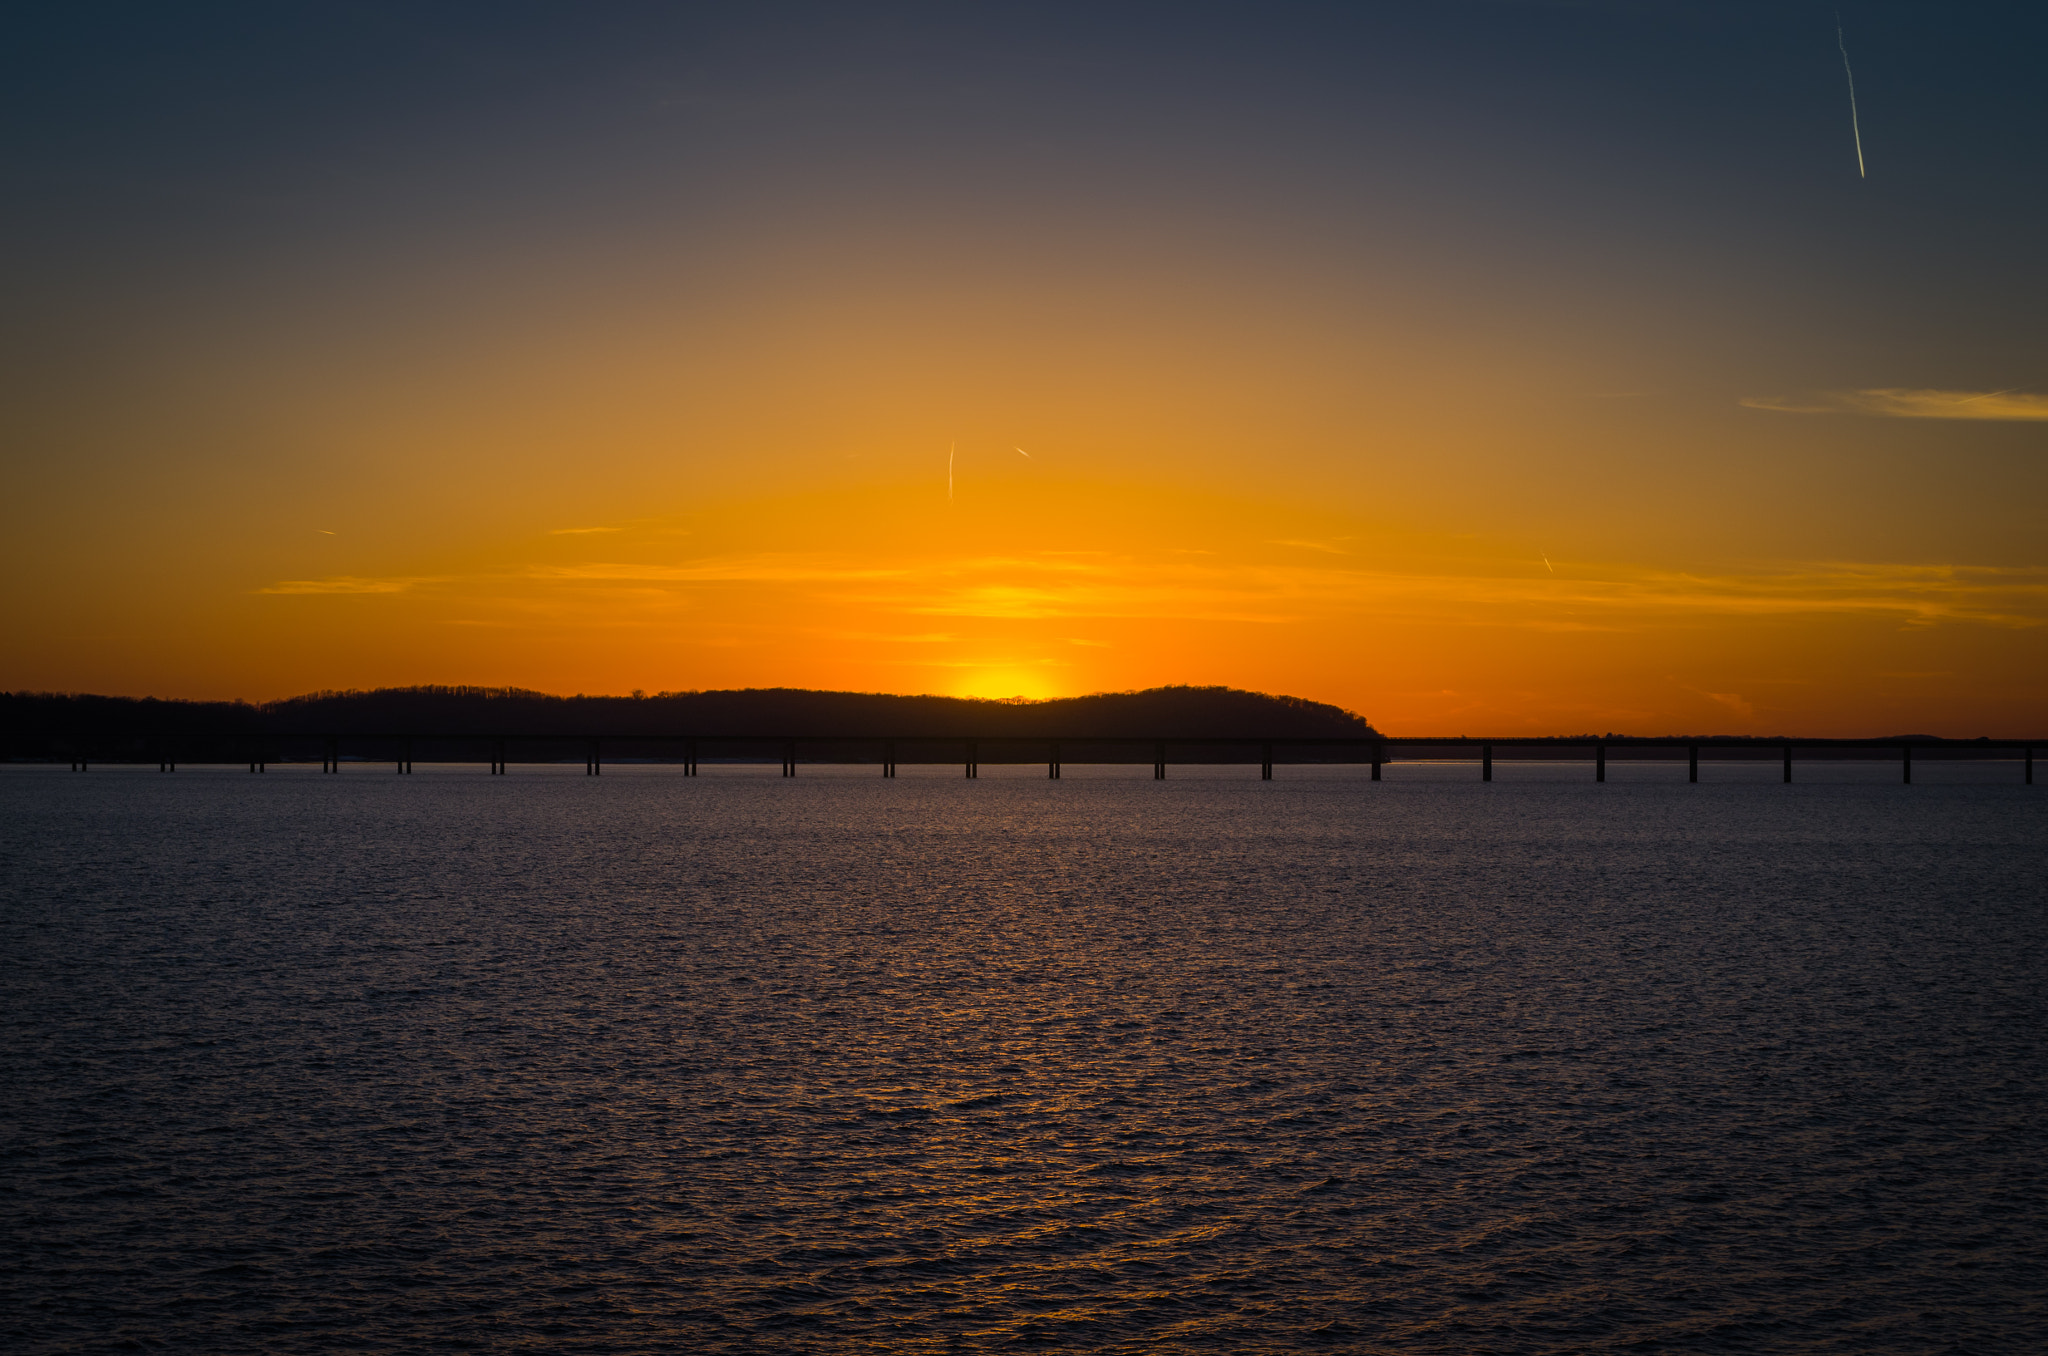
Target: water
{"type": "Point", "coordinates": [642, 1063]}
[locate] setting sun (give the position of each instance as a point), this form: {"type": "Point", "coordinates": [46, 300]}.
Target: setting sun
{"type": "Point", "coordinates": [1009, 682]}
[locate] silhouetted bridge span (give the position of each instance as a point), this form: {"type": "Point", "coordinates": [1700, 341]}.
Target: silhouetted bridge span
{"type": "Point", "coordinates": [499, 750]}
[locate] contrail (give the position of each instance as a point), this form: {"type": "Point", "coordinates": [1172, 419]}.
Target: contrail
{"type": "Point", "coordinates": [950, 449]}
{"type": "Point", "coordinates": [1022, 453]}
{"type": "Point", "coordinates": [1854, 126]}
{"type": "Point", "coordinates": [1546, 563]}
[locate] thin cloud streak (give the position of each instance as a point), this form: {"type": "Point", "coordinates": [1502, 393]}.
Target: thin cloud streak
{"type": "Point", "coordinates": [1893, 402]}
{"type": "Point", "coordinates": [1911, 594]}
{"type": "Point", "coordinates": [1855, 123]}
{"type": "Point", "coordinates": [761, 569]}
{"type": "Point", "coordinates": [349, 583]}
{"type": "Point", "coordinates": [1025, 587]}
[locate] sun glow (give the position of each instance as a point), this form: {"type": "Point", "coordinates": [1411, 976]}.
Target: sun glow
{"type": "Point", "coordinates": [1012, 682]}
{"type": "Point", "coordinates": [1060, 588]}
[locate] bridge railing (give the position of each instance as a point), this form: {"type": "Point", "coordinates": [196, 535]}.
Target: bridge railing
{"type": "Point", "coordinates": [498, 750]}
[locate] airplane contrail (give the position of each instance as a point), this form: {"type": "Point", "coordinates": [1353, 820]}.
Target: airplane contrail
{"type": "Point", "coordinates": [1022, 453]}
{"type": "Point", "coordinates": [950, 449]}
{"type": "Point", "coordinates": [1546, 563]}
{"type": "Point", "coordinates": [1854, 127]}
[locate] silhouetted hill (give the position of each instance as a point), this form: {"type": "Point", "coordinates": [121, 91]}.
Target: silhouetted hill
{"type": "Point", "coordinates": [1162, 712]}
{"type": "Point", "coordinates": [24, 713]}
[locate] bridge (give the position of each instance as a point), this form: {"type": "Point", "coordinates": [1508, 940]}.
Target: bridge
{"type": "Point", "coordinates": [496, 751]}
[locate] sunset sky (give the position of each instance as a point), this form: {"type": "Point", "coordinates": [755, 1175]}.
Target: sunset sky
{"type": "Point", "coordinates": [1489, 367]}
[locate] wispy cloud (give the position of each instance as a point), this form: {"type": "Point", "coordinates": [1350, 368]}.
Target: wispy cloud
{"type": "Point", "coordinates": [758, 569]}
{"type": "Point", "coordinates": [1901, 403]}
{"type": "Point", "coordinates": [1732, 701]}
{"type": "Point", "coordinates": [890, 638]}
{"type": "Point", "coordinates": [580, 531]}
{"type": "Point", "coordinates": [349, 583]}
{"type": "Point", "coordinates": [1168, 586]}
{"type": "Point", "coordinates": [1909, 594]}
{"type": "Point", "coordinates": [1599, 599]}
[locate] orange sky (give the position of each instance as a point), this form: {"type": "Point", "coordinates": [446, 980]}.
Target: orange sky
{"type": "Point", "coordinates": [1546, 444]}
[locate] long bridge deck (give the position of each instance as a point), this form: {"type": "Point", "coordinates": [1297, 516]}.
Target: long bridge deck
{"type": "Point", "coordinates": [497, 751]}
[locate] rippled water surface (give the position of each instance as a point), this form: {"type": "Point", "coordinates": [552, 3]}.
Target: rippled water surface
{"type": "Point", "coordinates": [297, 1063]}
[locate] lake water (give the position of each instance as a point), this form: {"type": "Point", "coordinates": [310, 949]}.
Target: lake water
{"type": "Point", "coordinates": [299, 1063]}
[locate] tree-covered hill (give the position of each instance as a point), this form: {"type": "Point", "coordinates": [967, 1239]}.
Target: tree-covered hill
{"type": "Point", "coordinates": [1162, 712]}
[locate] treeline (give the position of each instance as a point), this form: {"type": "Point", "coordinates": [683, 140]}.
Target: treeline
{"type": "Point", "coordinates": [1161, 712]}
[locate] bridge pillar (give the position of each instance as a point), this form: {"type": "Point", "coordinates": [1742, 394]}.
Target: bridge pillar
{"type": "Point", "coordinates": [1159, 762]}
{"type": "Point", "coordinates": [1906, 763]}
{"type": "Point", "coordinates": [1379, 754]}
{"type": "Point", "coordinates": [1692, 762]}
{"type": "Point", "coordinates": [1788, 764]}
{"type": "Point", "coordinates": [1266, 765]}
{"type": "Point", "coordinates": [889, 759]}
{"type": "Point", "coordinates": [1486, 762]}
{"type": "Point", "coordinates": [1052, 762]}
{"type": "Point", "coordinates": [973, 759]}
{"type": "Point", "coordinates": [2030, 765]}
{"type": "Point", "coordinates": [789, 759]}
{"type": "Point", "coordinates": [1599, 762]}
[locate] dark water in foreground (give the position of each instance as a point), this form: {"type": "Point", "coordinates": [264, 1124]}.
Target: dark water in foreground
{"type": "Point", "coordinates": [297, 1063]}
